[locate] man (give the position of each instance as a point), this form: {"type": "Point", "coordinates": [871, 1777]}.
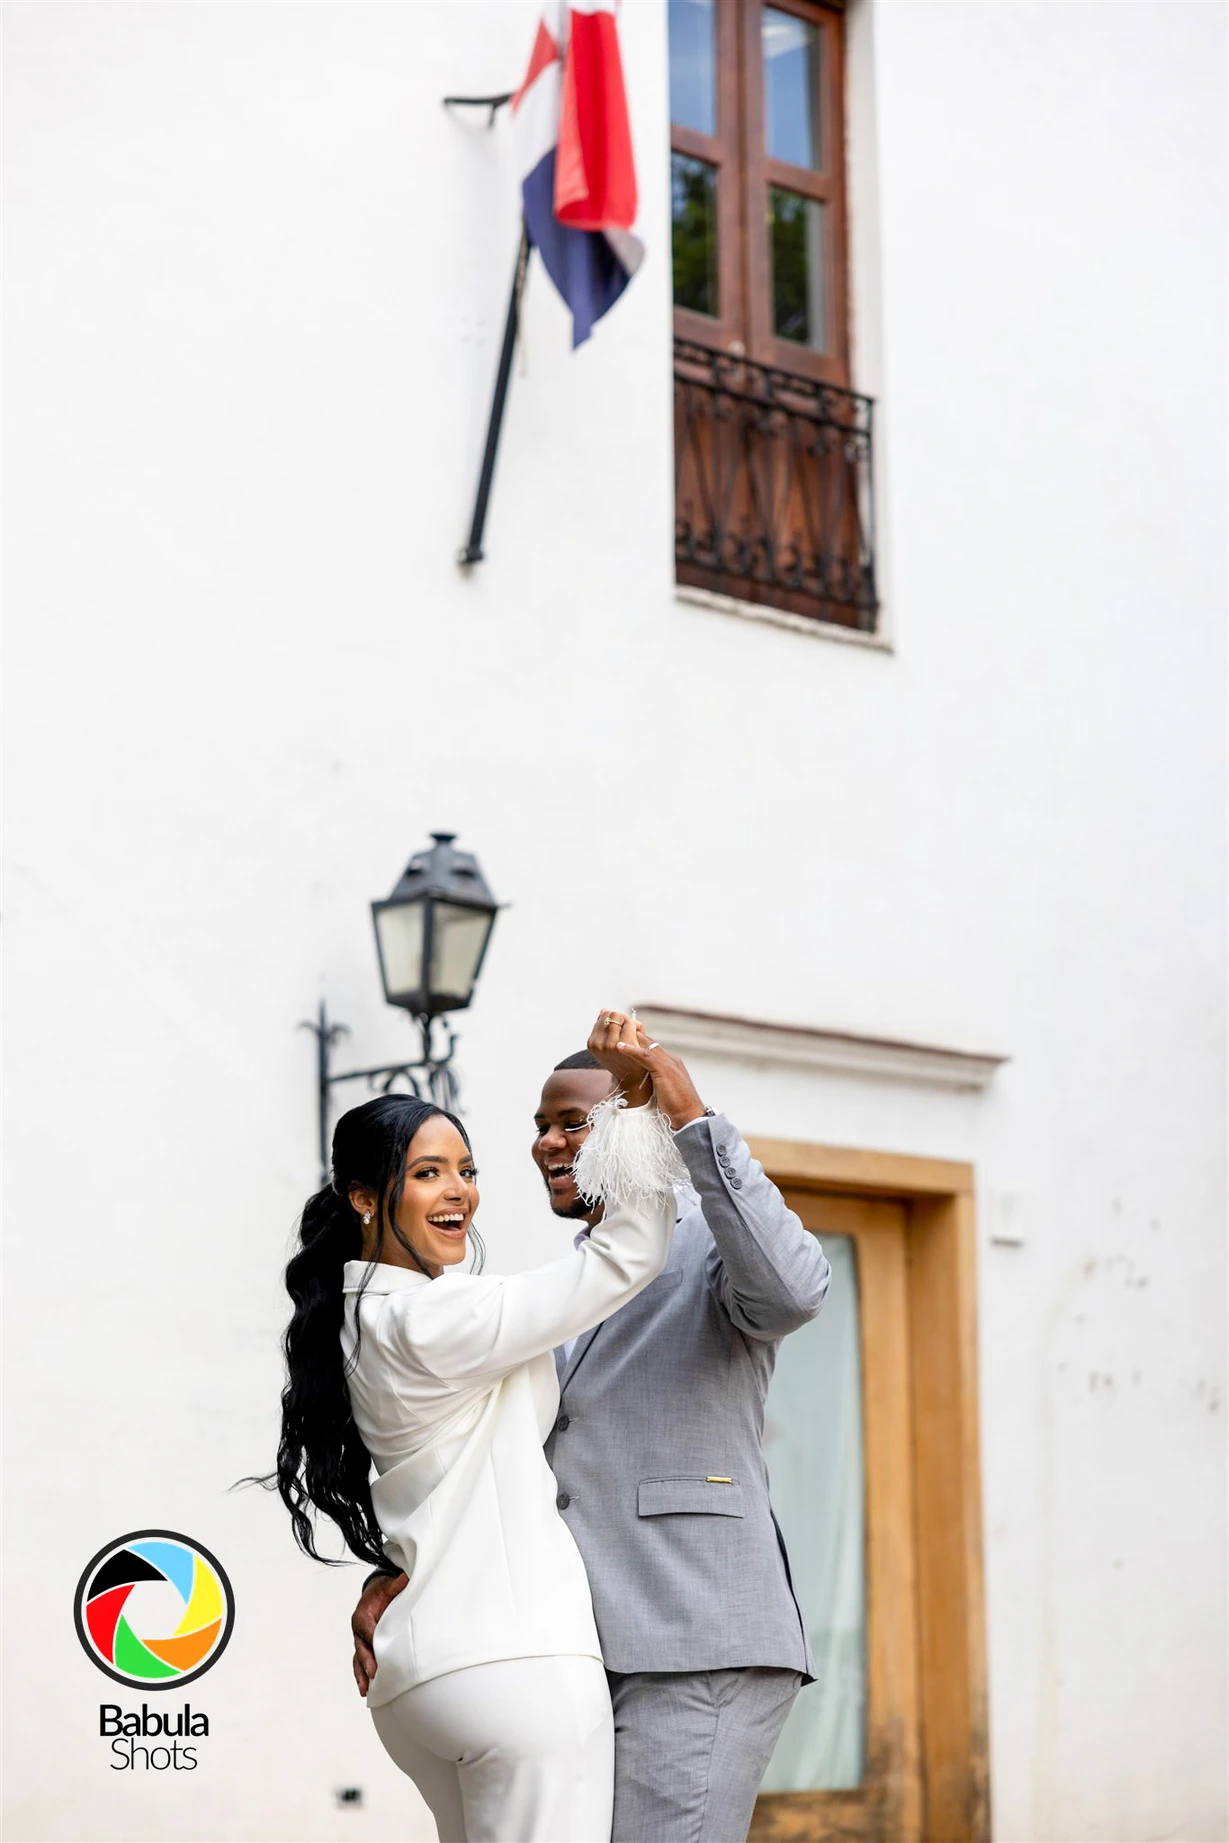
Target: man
{"type": "Point", "coordinates": [658, 1454]}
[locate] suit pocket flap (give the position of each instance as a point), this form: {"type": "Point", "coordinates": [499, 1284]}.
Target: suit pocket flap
{"type": "Point", "coordinates": [663, 1497]}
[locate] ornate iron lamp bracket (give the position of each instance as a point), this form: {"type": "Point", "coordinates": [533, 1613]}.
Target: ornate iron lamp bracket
{"type": "Point", "coordinates": [430, 1078]}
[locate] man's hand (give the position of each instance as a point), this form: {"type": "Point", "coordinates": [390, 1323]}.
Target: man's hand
{"type": "Point", "coordinates": [604, 1044]}
{"type": "Point", "coordinates": [673, 1086]}
{"type": "Point", "coordinates": [364, 1620]}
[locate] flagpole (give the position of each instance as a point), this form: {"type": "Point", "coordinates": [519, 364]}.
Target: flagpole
{"type": "Point", "coordinates": [473, 550]}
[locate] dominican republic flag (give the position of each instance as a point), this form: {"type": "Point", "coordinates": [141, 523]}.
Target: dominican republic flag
{"type": "Point", "coordinates": [578, 177]}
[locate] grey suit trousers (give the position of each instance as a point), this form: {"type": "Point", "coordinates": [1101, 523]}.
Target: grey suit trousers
{"type": "Point", "coordinates": [691, 1748]}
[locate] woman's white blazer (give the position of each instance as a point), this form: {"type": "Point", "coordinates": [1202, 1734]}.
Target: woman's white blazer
{"type": "Point", "coordinates": [454, 1390]}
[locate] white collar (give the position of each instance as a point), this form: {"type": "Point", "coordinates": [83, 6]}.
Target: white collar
{"type": "Point", "coordinates": [385, 1278]}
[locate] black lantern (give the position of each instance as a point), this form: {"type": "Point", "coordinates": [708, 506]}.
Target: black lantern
{"type": "Point", "coordinates": [432, 932]}
{"type": "Point", "coordinates": [431, 938]}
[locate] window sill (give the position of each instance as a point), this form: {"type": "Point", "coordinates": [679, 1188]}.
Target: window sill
{"type": "Point", "coordinates": [780, 617]}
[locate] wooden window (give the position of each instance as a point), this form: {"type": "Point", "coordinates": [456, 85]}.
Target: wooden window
{"type": "Point", "coordinates": [773, 485]}
{"type": "Point", "coordinates": [758, 181]}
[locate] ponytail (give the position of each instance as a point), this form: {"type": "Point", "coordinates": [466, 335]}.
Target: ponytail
{"type": "Point", "coordinates": [322, 1464]}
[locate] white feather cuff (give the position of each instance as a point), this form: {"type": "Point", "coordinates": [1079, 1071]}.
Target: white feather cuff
{"type": "Point", "coordinates": [630, 1153]}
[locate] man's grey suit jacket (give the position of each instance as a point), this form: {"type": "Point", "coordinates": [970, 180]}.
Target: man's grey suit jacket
{"type": "Point", "coordinates": [658, 1445]}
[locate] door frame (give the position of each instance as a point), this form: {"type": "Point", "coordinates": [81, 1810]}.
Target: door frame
{"type": "Point", "coordinates": [941, 1240]}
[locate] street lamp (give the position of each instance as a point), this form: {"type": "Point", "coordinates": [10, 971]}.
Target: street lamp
{"type": "Point", "coordinates": [432, 932]}
{"type": "Point", "coordinates": [431, 939]}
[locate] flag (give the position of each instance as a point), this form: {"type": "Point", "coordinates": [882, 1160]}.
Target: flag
{"type": "Point", "coordinates": [578, 176]}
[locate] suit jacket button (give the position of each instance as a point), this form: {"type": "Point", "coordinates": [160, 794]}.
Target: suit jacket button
{"type": "Point", "coordinates": [563, 1423]}
{"type": "Point", "coordinates": [562, 1501]}
{"type": "Point", "coordinates": [721, 1151]}
{"type": "Point", "coordinates": [736, 1183]}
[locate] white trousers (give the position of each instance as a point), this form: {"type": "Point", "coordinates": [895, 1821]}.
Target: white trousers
{"type": "Point", "coordinates": [515, 1752]}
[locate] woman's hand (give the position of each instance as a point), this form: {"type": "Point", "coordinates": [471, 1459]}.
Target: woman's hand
{"type": "Point", "coordinates": [604, 1043]}
{"type": "Point", "coordinates": [673, 1086]}
{"type": "Point", "coordinates": [380, 1590]}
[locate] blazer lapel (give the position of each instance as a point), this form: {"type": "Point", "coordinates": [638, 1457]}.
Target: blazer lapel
{"type": "Point", "coordinates": [560, 1363]}
{"type": "Point", "coordinates": [579, 1348]}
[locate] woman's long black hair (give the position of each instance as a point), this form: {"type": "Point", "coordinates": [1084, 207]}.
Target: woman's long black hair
{"type": "Point", "coordinates": [322, 1464]}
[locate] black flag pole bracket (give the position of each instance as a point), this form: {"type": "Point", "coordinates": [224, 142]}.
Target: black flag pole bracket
{"type": "Point", "coordinates": [493, 103]}
{"type": "Point", "coordinates": [472, 553]}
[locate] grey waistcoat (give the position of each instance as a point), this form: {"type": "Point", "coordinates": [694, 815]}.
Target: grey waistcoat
{"type": "Point", "coordinates": [663, 1404]}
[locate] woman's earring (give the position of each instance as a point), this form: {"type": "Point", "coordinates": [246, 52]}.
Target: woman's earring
{"type": "Point", "coordinates": [366, 1217]}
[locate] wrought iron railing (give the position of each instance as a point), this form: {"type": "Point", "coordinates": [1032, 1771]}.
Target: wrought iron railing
{"type": "Point", "coordinates": [772, 487]}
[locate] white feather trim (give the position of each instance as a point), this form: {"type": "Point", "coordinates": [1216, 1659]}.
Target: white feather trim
{"type": "Point", "coordinates": [630, 1153]}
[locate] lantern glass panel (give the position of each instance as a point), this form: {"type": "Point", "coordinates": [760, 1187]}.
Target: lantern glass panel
{"type": "Point", "coordinates": [400, 927]}
{"type": "Point", "coordinates": [457, 938]}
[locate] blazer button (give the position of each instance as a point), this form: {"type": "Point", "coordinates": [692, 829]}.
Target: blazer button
{"type": "Point", "coordinates": [562, 1501]}
{"type": "Point", "coordinates": [736, 1183]}
{"type": "Point", "coordinates": [721, 1151]}
{"type": "Point", "coordinates": [562, 1424]}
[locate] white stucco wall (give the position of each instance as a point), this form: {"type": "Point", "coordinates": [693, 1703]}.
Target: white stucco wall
{"type": "Point", "coordinates": [255, 285]}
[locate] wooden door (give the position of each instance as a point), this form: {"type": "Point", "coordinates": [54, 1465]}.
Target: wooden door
{"type": "Point", "coordinates": [887, 1803]}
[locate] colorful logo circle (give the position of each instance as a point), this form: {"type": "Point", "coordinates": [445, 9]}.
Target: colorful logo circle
{"type": "Point", "coordinates": [154, 1609]}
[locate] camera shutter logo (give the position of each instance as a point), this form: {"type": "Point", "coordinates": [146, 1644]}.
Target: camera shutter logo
{"type": "Point", "coordinates": [154, 1609]}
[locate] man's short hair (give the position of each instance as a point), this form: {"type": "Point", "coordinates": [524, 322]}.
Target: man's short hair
{"type": "Point", "coordinates": [583, 1059]}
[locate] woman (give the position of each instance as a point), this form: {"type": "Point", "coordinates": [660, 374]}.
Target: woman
{"type": "Point", "coordinates": [490, 1692]}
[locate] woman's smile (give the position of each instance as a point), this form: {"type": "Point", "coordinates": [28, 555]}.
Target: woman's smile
{"type": "Point", "coordinates": [452, 1222]}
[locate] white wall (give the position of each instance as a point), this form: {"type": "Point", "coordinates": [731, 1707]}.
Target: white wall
{"type": "Point", "coordinates": [255, 285]}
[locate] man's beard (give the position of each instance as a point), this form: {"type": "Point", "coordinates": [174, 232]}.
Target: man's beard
{"type": "Point", "coordinates": [576, 1211]}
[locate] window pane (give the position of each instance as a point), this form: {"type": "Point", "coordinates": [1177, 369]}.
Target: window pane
{"type": "Point", "coordinates": [792, 121]}
{"type": "Point", "coordinates": [693, 65]}
{"type": "Point", "coordinates": [457, 939]}
{"type": "Point", "coordinates": [693, 188]}
{"type": "Point", "coordinates": [400, 929]}
{"type": "Point", "coordinates": [813, 1437]}
{"type": "Point", "coordinates": [799, 309]}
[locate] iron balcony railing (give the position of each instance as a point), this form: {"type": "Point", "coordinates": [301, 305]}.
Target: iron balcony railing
{"type": "Point", "coordinates": [772, 487]}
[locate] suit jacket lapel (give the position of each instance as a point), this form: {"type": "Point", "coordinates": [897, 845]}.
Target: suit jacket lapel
{"type": "Point", "coordinates": [579, 1349]}
{"type": "Point", "coordinates": [581, 1346]}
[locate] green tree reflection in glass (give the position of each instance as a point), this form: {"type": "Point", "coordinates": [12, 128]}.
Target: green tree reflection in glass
{"type": "Point", "coordinates": [693, 196]}
{"type": "Point", "coordinates": [799, 306]}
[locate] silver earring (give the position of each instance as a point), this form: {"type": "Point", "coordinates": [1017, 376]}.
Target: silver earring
{"type": "Point", "coordinates": [366, 1218]}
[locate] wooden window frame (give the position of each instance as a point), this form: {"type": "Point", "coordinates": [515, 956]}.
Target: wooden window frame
{"type": "Point", "coordinates": [945, 1655]}
{"type": "Point", "coordinates": [744, 325]}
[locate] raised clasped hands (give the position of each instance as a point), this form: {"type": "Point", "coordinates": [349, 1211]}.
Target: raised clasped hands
{"type": "Point", "coordinates": [613, 1039]}
{"type": "Point", "coordinates": [644, 1068]}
